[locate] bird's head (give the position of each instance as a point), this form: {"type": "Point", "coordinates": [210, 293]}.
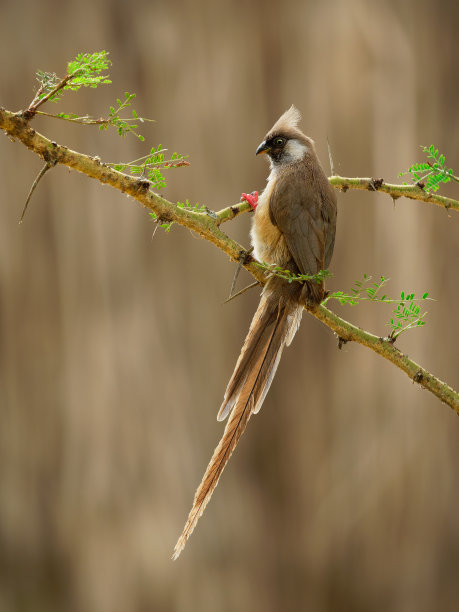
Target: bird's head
{"type": "Point", "coordinates": [285, 143]}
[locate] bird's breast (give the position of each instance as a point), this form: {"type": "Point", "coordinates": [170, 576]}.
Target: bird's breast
{"type": "Point", "coordinates": [267, 241]}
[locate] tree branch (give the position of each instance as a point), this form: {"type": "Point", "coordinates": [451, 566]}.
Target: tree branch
{"type": "Point", "coordinates": [207, 225]}
{"type": "Point", "coordinates": [347, 332]}
{"type": "Point", "coordinates": [414, 192]}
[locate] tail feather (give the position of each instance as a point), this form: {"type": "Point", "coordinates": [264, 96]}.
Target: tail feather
{"type": "Point", "coordinates": [258, 337]}
{"type": "Point", "coordinates": [289, 321]}
{"type": "Point", "coordinates": [272, 327]}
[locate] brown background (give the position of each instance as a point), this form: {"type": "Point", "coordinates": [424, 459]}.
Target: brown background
{"type": "Point", "coordinates": [115, 348]}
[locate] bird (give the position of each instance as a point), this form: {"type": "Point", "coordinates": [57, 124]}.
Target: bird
{"type": "Point", "coordinates": [293, 228]}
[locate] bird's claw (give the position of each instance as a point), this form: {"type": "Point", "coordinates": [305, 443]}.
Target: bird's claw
{"type": "Point", "coordinates": [251, 198]}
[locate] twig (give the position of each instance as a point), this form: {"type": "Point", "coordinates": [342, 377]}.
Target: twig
{"type": "Point", "coordinates": [84, 120]}
{"type": "Point", "coordinates": [37, 103]}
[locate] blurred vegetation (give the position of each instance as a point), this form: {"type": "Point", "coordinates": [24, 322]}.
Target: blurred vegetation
{"type": "Point", "coordinates": [115, 349]}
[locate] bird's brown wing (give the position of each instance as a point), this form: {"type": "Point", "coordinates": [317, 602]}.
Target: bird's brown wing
{"type": "Point", "coordinates": [304, 210]}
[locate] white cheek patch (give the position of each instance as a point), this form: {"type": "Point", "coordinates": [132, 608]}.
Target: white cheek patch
{"type": "Point", "coordinates": [295, 150]}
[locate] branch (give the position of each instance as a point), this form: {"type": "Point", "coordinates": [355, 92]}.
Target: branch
{"type": "Point", "coordinates": [207, 225]}
{"type": "Point", "coordinates": [347, 332]}
{"type": "Point", "coordinates": [414, 192]}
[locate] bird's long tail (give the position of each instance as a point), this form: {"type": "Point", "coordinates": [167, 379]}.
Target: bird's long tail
{"type": "Point", "coordinates": [273, 327]}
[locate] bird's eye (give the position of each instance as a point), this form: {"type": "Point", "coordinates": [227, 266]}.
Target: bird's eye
{"type": "Point", "coordinates": [279, 142]}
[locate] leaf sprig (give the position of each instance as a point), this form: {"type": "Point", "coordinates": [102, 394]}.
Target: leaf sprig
{"type": "Point", "coordinates": [429, 175]}
{"type": "Point", "coordinates": [406, 315]}
{"type": "Point", "coordinates": [152, 165]}
{"type": "Point", "coordinates": [122, 125]}
{"type": "Point", "coordinates": [185, 205]}
{"type": "Point", "coordinates": [362, 291]}
{"type": "Point", "coordinates": [89, 70]}
{"type": "Point", "coordinates": [291, 277]}
{"type": "Point", "coordinates": [192, 207]}
{"type": "Point", "coordinates": [84, 71]}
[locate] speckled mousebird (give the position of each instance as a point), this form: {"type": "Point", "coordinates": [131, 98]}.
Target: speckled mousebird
{"type": "Point", "coordinates": [294, 228]}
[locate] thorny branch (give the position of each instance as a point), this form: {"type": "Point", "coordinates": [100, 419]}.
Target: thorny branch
{"type": "Point", "coordinates": [207, 225]}
{"type": "Point", "coordinates": [414, 192]}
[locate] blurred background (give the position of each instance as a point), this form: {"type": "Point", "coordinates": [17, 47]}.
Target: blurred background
{"type": "Point", "coordinates": [115, 345]}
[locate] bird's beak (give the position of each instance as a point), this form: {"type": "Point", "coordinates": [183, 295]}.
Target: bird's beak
{"type": "Point", "coordinates": [263, 148]}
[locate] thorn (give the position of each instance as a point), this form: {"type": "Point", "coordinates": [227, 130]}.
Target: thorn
{"type": "Point", "coordinates": [242, 259]}
{"type": "Point", "coordinates": [235, 295]}
{"type": "Point", "coordinates": [40, 175]}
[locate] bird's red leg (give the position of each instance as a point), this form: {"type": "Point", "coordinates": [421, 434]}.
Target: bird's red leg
{"type": "Point", "coordinates": [251, 198]}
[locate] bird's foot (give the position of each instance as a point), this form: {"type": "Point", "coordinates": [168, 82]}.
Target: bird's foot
{"type": "Point", "coordinates": [251, 198]}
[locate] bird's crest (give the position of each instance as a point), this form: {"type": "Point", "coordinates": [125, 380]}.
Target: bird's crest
{"type": "Point", "coordinates": [288, 121]}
